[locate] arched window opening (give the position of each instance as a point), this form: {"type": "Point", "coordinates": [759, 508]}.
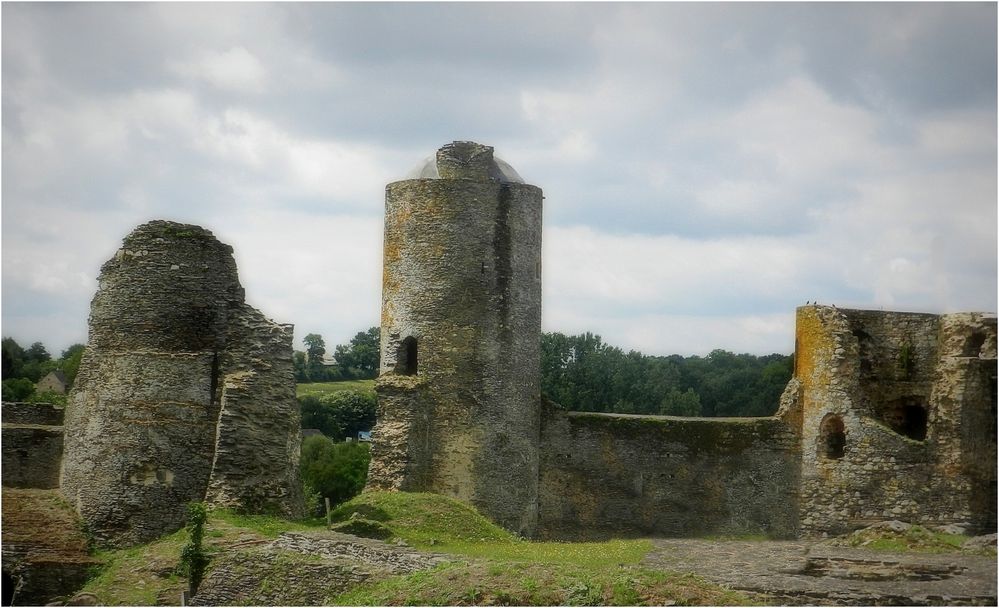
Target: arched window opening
{"type": "Point", "coordinates": [407, 357]}
{"type": "Point", "coordinates": [832, 437]}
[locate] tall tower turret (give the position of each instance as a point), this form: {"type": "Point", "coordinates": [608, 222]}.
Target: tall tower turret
{"type": "Point", "coordinates": [459, 393]}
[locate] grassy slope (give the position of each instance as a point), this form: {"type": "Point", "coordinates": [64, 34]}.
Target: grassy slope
{"type": "Point", "coordinates": [146, 575]}
{"type": "Point", "coordinates": [318, 388]}
{"type": "Point", "coordinates": [509, 570]}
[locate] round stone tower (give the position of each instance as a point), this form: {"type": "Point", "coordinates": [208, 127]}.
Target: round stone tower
{"type": "Point", "coordinates": [459, 394]}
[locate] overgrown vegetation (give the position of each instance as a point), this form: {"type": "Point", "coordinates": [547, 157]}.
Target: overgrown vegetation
{"type": "Point", "coordinates": [336, 471]}
{"type": "Point", "coordinates": [340, 414]}
{"type": "Point", "coordinates": [366, 387]}
{"type": "Point", "coordinates": [193, 559]}
{"type": "Point", "coordinates": [913, 538]}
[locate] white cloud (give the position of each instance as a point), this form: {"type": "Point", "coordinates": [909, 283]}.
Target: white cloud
{"type": "Point", "coordinates": [235, 69]}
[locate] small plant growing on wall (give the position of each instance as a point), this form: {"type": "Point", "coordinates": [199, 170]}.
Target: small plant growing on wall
{"type": "Point", "coordinates": [193, 559]}
{"type": "Point", "coordinates": [906, 360]}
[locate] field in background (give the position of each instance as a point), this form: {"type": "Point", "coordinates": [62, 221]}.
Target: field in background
{"type": "Point", "coordinates": [320, 388]}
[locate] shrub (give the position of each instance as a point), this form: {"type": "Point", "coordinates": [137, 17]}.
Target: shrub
{"type": "Point", "coordinates": [192, 558]}
{"type": "Point", "coordinates": [336, 471]}
{"type": "Point", "coordinates": [17, 389]}
{"type": "Point", "coordinates": [340, 414]}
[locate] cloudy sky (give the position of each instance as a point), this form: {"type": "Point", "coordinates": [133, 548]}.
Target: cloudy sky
{"type": "Point", "coordinates": [706, 167]}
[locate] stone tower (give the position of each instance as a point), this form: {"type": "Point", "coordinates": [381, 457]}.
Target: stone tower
{"type": "Point", "coordinates": [185, 393]}
{"type": "Point", "coordinates": [459, 393]}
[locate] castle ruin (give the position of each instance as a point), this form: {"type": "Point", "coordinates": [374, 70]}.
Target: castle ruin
{"type": "Point", "coordinates": [460, 388]}
{"type": "Point", "coordinates": [888, 416]}
{"type": "Point", "coordinates": [185, 393]}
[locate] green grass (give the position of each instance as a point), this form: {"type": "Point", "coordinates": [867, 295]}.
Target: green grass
{"type": "Point", "coordinates": [492, 582]}
{"type": "Point", "coordinates": [424, 520]}
{"type": "Point", "coordinates": [265, 525]}
{"type": "Point", "coordinates": [496, 567]}
{"type": "Point", "coordinates": [140, 576]}
{"type": "Point", "coordinates": [319, 388]}
{"type": "Point", "coordinates": [491, 566]}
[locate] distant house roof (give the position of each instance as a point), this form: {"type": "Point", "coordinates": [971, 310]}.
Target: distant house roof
{"type": "Point", "coordinates": [310, 432]}
{"type": "Point", "coordinates": [53, 381]}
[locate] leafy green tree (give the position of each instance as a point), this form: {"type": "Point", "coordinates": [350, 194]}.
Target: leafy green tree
{"type": "Point", "coordinates": [318, 415]}
{"type": "Point", "coordinates": [675, 403]}
{"type": "Point", "coordinates": [360, 358]}
{"type": "Point", "coordinates": [13, 358]}
{"type": "Point", "coordinates": [301, 367]}
{"type": "Point", "coordinates": [69, 363]}
{"type": "Point", "coordinates": [17, 389]}
{"type": "Point", "coordinates": [37, 352]}
{"type": "Point", "coordinates": [315, 350]}
{"type": "Point", "coordinates": [339, 415]}
{"type": "Point", "coordinates": [337, 471]}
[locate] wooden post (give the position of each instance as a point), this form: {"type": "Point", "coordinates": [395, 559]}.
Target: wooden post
{"type": "Point", "coordinates": [185, 596]}
{"type": "Point", "coordinates": [329, 514]}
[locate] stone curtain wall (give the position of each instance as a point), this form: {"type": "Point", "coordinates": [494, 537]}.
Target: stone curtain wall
{"type": "Point", "coordinates": [914, 395]}
{"type": "Point", "coordinates": [154, 417]}
{"type": "Point", "coordinates": [32, 445]}
{"type": "Point", "coordinates": [605, 475]}
{"type": "Point", "coordinates": [459, 395]}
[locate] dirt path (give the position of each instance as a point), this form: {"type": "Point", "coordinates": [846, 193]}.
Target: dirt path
{"type": "Point", "coordinates": [801, 572]}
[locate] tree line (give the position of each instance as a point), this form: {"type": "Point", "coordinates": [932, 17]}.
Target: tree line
{"type": "Point", "coordinates": [24, 367]}
{"type": "Point", "coordinates": [582, 373]}
{"type": "Point", "coordinates": [356, 360]}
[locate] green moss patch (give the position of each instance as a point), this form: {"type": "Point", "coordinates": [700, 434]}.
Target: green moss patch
{"type": "Point", "coordinates": [915, 538]}
{"type": "Point", "coordinates": [422, 519]}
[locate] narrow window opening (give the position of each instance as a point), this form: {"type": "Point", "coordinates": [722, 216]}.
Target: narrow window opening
{"type": "Point", "coordinates": [832, 437]}
{"type": "Point", "coordinates": [914, 422]}
{"type": "Point", "coordinates": [407, 360]}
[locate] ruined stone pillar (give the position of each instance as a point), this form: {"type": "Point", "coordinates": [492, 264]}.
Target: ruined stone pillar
{"type": "Point", "coordinates": [182, 386]}
{"type": "Point", "coordinates": [459, 394]}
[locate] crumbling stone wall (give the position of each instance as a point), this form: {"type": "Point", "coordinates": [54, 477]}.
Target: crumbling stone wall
{"type": "Point", "coordinates": [184, 392]}
{"type": "Point", "coordinates": [459, 395]}
{"type": "Point", "coordinates": [32, 444]}
{"type": "Point", "coordinates": [605, 475]}
{"type": "Point", "coordinates": [898, 418]}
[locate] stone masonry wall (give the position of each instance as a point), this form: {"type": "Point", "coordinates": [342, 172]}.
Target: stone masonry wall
{"type": "Point", "coordinates": [917, 414]}
{"type": "Point", "coordinates": [462, 296]}
{"type": "Point", "coordinates": [605, 475]}
{"type": "Point", "coordinates": [32, 445]}
{"type": "Point", "coordinates": [152, 420]}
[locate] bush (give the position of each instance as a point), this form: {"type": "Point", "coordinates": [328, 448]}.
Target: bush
{"type": "Point", "coordinates": [17, 389]}
{"type": "Point", "coordinates": [336, 471]}
{"type": "Point", "coordinates": [193, 559]}
{"type": "Point", "coordinates": [340, 414]}
{"type": "Point", "coordinates": [47, 397]}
